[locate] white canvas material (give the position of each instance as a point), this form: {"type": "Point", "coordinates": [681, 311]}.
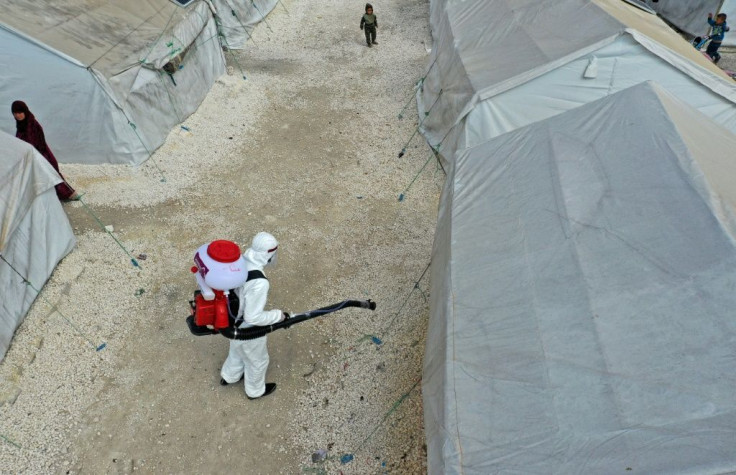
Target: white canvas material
{"type": "Point", "coordinates": [35, 233]}
{"type": "Point", "coordinates": [583, 296]}
{"type": "Point", "coordinates": [503, 64]}
{"type": "Point", "coordinates": [237, 19]}
{"type": "Point", "coordinates": [93, 72]}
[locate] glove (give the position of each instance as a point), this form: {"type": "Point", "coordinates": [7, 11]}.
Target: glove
{"type": "Point", "coordinates": [361, 27]}
{"type": "Point", "coordinates": [285, 316]}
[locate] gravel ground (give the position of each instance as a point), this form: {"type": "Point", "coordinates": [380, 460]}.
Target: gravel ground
{"type": "Point", "coordinates": [728, 59]}
{"type": "Point", "coordinates": [305, 148]}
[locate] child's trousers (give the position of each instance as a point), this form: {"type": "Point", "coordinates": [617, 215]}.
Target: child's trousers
{"type": "Point", "coordinates": [370, 33]}
{"type": "Point", "coordinates": [712, 50]}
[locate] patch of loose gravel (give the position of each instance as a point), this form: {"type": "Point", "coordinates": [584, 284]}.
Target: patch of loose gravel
{"type": "Point", "coordinates": [728, 59]}
{"type": "Point", "coordinates": [306, 148]}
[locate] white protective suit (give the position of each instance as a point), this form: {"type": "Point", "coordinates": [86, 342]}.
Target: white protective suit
{"type": "Point", "coordinates": [249, 358]}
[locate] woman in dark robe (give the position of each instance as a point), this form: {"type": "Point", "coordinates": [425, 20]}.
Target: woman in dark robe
{"type": "Point", "coordinates": [29, 130]}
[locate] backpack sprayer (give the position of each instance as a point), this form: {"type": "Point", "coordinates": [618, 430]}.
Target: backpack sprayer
{"type": "Point", "coordinates": [219, 269]}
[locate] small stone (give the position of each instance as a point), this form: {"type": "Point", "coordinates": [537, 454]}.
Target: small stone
{"type": "Point", "coordinates": [8, 394]}
{"type": "Point", "coordinates": [319, 456]}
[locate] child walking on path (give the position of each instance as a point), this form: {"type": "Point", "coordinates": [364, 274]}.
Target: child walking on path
{"type": "Point", "coordinates": [370, 23]}
{"type": "Point", "coordinates": [719, 29]}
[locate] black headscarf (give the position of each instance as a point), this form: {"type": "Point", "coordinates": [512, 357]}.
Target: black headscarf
{"type": "Point", "coordinates": [21, 126]}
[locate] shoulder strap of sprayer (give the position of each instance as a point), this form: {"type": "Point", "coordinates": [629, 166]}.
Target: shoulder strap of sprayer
{"type": "Point", "coordinates": [252, 275]}
{"type": "Point", "coordinates": [255, 274]}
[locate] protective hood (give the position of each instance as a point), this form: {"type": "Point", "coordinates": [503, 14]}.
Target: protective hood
{"type": "Point", "coordinates": [262, 250]}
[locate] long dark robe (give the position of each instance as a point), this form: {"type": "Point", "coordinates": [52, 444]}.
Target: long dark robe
{"type": "Point", "coordinates": [29, 130]}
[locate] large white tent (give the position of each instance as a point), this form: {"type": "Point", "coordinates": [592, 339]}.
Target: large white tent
{"type": "Point", "coordinates": [107, 79]}
{"type": "Point", "coordinates": [500, 65]}
{"type": "Point", "coordinates": [582, 316]}
{"type": "Point", "coordinates": [34, 231]}
{"type": "Point", "coordinates": [690, 15]}
{"type": "Point", "coordinates": [729, 8]}
{"type": "Point", "coordinates": [237, 18]}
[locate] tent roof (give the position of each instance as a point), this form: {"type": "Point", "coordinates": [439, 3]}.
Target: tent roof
{"type": "Point", "coordinates": [109, 35]}
{"type": "Point", "coordinates": [526, 35]}
{"type": "Point", "coordinates": [485, 48]}
{"type": "Point", "coordinates": [582, 317]}
{"type": "Point", "coordinates": [24, 174]}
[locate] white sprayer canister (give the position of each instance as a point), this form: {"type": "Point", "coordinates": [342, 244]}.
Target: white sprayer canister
{"type": "Point", "coordinates": [221, 265]}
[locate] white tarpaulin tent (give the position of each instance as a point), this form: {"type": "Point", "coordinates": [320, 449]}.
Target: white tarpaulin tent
{"type": "Point", "coordinates": [34, 231]}
{"type": "Point", "coordinates": [237, 18]}
{"type": "Point", "coordinates": [583, 302]}
{"type": "Point", "coordinates": [729, 8]}
{"type": "Point", "coordinates": [95, 72]}
{"type": "Point", "coordinates": [499, 65]}
{"type": "Point", "coordinates": [690, 15]}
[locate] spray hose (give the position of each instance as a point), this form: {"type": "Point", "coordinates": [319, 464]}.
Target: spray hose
{"type": "Point", "coordinates": [252, 333]}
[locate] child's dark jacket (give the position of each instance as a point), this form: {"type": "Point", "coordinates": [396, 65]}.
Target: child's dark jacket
{"type": "Point", "coordinates": [370, 21]}
{"type": "Point", "coordinates": [718, 31]}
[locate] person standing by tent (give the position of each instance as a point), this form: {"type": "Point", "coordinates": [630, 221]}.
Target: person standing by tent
{"type": "Point", "coordinates": [29, 130]}
{"type": "Point", "coordinates": [248, 359]}
{"type": "Point", "coordinates": [370, 22]}
{"type": "Point", "coordinates": [718, 31]}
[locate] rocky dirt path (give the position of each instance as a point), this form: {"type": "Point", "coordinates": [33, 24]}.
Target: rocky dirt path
{"type": "Point", "coordinates": [306, 149]}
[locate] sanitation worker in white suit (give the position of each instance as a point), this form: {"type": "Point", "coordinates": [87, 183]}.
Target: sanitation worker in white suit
{"type": "Point", "coordinates": [248, 359]}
